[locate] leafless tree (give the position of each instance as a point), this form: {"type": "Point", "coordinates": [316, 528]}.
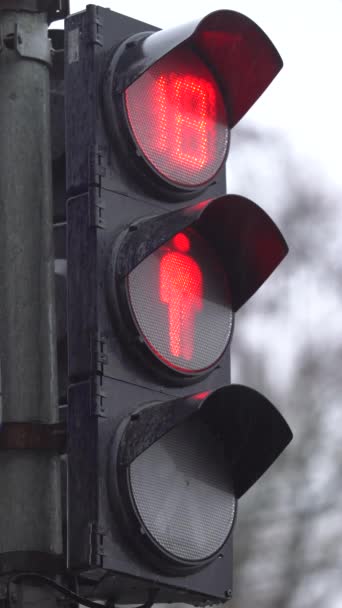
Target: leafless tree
{"type": "Point", "coordinates": [288, 345]}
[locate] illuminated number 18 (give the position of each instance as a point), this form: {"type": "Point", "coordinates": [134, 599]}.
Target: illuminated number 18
{"type": "Point", "coordinates": [184, 105]}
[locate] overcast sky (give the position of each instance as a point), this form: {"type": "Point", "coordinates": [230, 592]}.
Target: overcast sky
{"type": "Point", "coordinates": [305, 100]}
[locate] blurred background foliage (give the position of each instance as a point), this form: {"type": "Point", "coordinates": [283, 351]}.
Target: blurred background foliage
{"type": "Point", "coordinates": [287, 344]}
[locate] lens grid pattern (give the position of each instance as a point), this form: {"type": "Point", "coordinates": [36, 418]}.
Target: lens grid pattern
{"type": "Point", "coordinates": [182, 492]}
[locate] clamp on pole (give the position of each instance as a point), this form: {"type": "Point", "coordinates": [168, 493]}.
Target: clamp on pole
{"type": "Point", "coordinates": [28, 46]}
{"type": "Point", "coordinates": [33, 436]}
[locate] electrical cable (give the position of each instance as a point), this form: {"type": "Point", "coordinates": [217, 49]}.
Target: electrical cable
{"type": "Point", "coordinates": [32, 576]}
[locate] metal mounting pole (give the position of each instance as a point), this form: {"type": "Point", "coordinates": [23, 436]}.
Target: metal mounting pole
{"type": "Point", "coordinates": [30, 497]}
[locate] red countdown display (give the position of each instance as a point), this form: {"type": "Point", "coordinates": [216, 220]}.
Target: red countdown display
{"type": "Point", "coordinates": [177, 117]}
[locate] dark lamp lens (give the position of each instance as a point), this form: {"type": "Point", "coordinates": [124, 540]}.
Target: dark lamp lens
{"type": "Point", "coordinates": [180, 303]}
{"type": "Point", "coordinates": [178, 119]}
{"type": "Point", "coordinates": [183, 493]}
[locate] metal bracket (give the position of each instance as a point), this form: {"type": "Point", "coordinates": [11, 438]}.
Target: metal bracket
{"type": "Point", "coordinates": [33, 436]}
{"type": "Point", "coordinates": [27, 45]}
{"type": "Point", "coordinates": [32, 47]}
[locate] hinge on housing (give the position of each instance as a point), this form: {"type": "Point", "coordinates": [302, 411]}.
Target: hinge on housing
{"type": "Point", "coordinates": [95, 25]}
{"type": "Point", "coordinates": [100, 394]}
{"type": "Point", "coordinates": [96, 548]}
{"type": "Point", "coordinates": [99, 163]}
{"type": "Point", "coordinates": [99, 219]}
{"type": "Point", "coordinates": [101, 353]}
{"type": "Point", "coordinates": [97, 170]}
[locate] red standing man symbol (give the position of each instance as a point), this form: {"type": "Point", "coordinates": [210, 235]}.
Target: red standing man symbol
{"type": "Point", "coordinates": [181, 288]}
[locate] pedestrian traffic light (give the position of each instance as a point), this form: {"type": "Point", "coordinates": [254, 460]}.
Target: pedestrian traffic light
{"type": "Point", "coordinates": [160, 258]}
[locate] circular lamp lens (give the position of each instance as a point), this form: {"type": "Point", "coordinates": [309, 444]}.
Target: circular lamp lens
{"type": "Point", "coordinates": [180, 303]}
{"type": "Point", "coordinates": [178, 120]}
{"type": "Point", "coordinates": [182, 493]}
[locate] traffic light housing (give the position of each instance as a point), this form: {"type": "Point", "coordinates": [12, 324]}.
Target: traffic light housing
{"type": "Point", "coordinates": [161, 444]}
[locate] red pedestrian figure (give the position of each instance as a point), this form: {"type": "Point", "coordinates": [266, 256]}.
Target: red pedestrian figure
{"type": "Point", "coordinates": [181, 288]}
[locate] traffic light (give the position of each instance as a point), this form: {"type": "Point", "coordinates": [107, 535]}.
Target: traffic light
{"type": "Point", "coordinates": [160, 258]}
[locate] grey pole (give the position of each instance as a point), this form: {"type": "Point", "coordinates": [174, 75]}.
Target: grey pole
{"type": "Point", "coordinates": [30, 497]}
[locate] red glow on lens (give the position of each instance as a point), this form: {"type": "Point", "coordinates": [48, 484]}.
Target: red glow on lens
{"type": "Point", "coordinates": [177, 115]}
{"type": "Point", "coordinates": [180, 303]}
{"type": "Point", "coordinates": [201, 396]}
{"type": "Point", "coordinates": [181, 289]}
{"type": "Point", "coordinates": [181, 242]}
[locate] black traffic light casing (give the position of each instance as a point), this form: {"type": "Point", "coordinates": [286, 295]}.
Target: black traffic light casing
{"type": "Point", "coordinates": [121, 400]}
